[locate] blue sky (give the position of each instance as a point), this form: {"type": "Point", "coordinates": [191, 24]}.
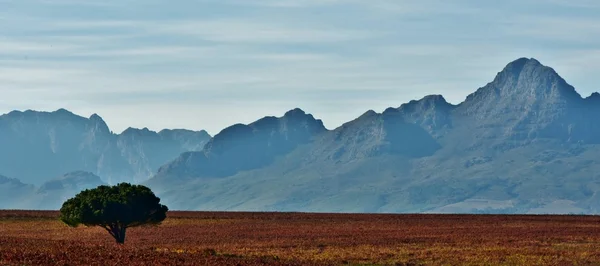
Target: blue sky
{"type": "Point", "coordinates": [207, 64]}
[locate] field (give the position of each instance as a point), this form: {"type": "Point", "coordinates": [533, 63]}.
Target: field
{"type": "Point", "coordinates": [211, 238]}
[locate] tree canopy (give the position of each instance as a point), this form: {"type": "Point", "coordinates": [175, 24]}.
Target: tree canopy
{"type": "Point", "coordinates": [114, 208]}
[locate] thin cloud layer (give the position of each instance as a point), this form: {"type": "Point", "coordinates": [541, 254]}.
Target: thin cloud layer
{"type": "Point", "coordinates": [209, 64]}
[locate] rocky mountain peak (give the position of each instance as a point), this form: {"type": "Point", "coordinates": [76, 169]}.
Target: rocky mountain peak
{"type": "Point", "coordinates": [144, 132]}
{"type": "Point", "coordinates": [523, 66]}
{"type": "Point", "coordinates": [169, 132]}
{"type": "Point", "coordinates": [300, 118]}
{"type": "Point", "coordinates": [99, 124]}
{"type": "Point", "coordinates": [432, 113]}
{"type": "Point", "coordinates": [515, 67]}
{"type": "Point", "coordinates": [526, 101]}
{"type": "Point", "coordinates": [63, 111]}
{"type": "Point", "coordinates": [61, 115]}
{"type": "Point", "coordinates": [523, 82]}
{"type": "Point", "coordinates": [594, 97]}
{"type": "Point", "coordinates": [95, 117]}
{"type": "Point", "coordinates": [427, 102]}
{"type": "Point", "coordinates": [295, 121]}
{"type": "Point", "coordinates": [435, 99]}
{"type": "Point", "coordinates": [295, 113]}
{"type": "Point", "coordinates": [249, 146]}
{"type": "Point", "coordinates": [368, 114]}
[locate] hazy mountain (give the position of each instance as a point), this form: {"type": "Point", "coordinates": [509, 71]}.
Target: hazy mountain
{"type": "Point", "coordinates": [53, 193]}
{"type": "Point", "coordinates": [77, 181]}
{"type": "Point", "coordinates": [145, 150]}
{"type": "Point", "coordinates": [13, 193]}
{"type": "Point", "coordinates": [525, 142]}
{"type": "Point", "coordinates": [245, 147]}
{"type": "Point", "coordinates": [49, 196]}
{"type": "Point", "coordinates": [38, 145]}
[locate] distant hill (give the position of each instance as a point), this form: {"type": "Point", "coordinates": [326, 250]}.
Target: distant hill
{"type": "Point", "coordinates": [49, 196]}
{"type": "Point", "coordinates": [526, 142]}
{"type": "Point", "coordinates": [14, 194]}
{"type": "Point", "coordinates": [53, 193]}
{"type": "Point", "coordinates": [37, 145]}
{"type": "Point", "coordinates": [245, 147]}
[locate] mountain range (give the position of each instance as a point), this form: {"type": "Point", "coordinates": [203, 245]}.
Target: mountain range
{"type": "Point", "coordinates": [37, 146]}
{"type": "Point", "coordinates": [526, 142]}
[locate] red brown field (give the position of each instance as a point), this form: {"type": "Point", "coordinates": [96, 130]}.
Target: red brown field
{"type": "Point", "coordinates": [212, 238]}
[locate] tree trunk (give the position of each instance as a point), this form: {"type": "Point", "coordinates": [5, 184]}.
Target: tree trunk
{"type": "Point", "coordinates": [122, 240]}
{"type": "Point", "coordinates": [118, 232]}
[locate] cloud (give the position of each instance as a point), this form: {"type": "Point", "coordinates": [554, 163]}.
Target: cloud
{"type": "Point", "coordinates": [12, 46]}
{"type": "Point", "coordinates": [72, 2]}
{"type": "Point", "coordinates": [576, 4]}
{"type": "Point", "coordinates": [248, 32]}
{"type": "Point", "coordinates": [381, 6]}
{"type": "Point", "coordinates": [290, 3]}
{"type": "Point", "coordinates": [224, 30]}
{"type": "Point", "coordinates": [208, 63]}
{"type": "Point", "coordinates": [555, 28]}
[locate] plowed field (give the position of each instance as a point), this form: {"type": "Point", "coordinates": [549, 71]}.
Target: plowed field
{"type": "Point", "coordinates": [212, 238]}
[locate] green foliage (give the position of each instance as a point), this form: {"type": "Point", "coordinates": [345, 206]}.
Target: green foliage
{"type": "Point", "coordinates": [114, 208]}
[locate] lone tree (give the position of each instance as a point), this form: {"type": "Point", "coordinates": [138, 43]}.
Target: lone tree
{"type": "Point", "coordinates": [114, 208]}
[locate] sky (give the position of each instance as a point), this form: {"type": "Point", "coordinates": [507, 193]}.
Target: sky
{"type": "Point", "coordinates": [208, 64]}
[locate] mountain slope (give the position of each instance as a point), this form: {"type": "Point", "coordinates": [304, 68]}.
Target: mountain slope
{"type": "Point", "coordinates": [53, 193]}
{"type": "Point", "coordinates": [526, 101]}
{"type": "Point", "coordinates": [14, 194]}
{"type": "Point", "coordinates": [36, 145]}
{"type": "Point", "coordinates": [525, 142]}
{"type": "Point", "coordinates": [249, 146]}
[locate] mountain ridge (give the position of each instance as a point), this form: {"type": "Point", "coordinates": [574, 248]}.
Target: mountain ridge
{"type": "Point", "coordinates": [526, 142]}
{"type": "Point", "coordinates": [59, 142]}
{"type": "Point", "coordinates": [523, 131]}
{"type": "Point", "coordinates": [272, 132]}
